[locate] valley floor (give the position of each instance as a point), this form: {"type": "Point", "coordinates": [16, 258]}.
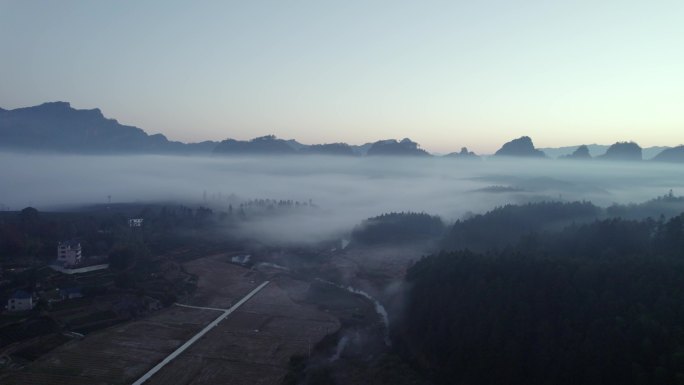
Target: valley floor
{"type": "Point", "coordinates": [253, 345]}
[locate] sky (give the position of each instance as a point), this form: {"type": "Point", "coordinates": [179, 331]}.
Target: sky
{"type": "Point", "coordinates": [446, 74]}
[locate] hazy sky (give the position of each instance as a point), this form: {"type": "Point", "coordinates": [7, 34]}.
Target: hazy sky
{"type": "Point", "coordinates": [444, 73]}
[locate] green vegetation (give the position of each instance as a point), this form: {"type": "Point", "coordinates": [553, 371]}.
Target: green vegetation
{"type": "Point", "coordinates": [667, 205]}
{"type": "Point", "coordinates": [505, 225]}
{"type": "Point", "coordinates": [398, 228]}
{"type": "Point", "coordinates": [599, 302]}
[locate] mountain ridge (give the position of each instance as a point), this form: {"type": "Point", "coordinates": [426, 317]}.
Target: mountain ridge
{"type": "Point", "coordinates": [57, 127]}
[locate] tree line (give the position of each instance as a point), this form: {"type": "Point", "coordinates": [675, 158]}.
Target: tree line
{"type": "Point", "coordinates": [598, 302]}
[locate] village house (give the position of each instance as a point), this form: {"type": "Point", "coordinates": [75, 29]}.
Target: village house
{"type": "Point", "coordinates": [69, 253]}
{"type": "Point", "coordinates": [71, 293]}
{"type": "Point", "coordinates": [20, 301]}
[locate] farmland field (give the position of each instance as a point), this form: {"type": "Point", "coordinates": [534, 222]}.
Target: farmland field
{"type": "Point", "coordinates": [252, 346]}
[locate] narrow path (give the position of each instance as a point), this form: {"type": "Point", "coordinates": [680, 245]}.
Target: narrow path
{"type": "Point", "coordinates": [200, 307]}
{"type": "Point", "coordinates": [199, 335]}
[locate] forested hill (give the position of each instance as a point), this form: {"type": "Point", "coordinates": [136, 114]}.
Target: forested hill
{"type": "Point", "coordinates": [505, 225]}
{"type": "Point", "coordinates": [594, 303]}
{"type": "Point", "coordinates": [668, 205]}
{"type": "Point", "coordinates": [398, 228]}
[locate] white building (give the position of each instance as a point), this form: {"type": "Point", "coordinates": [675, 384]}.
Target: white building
{"type": "Point", "coordinates": [20, 301]}
{"type": "Point", "coordinates": [69, 253]}
{"type": "Point", "coordinates": [135, 222]}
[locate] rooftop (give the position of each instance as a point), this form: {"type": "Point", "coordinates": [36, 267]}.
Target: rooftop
{"type": "Point", "coordinates": [20, 294]}
{"type": "Point", "coordinates": [70, 243]}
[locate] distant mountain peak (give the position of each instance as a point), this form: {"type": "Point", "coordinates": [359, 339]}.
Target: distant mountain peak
{"type": "Point", "coordinates": [271, 145]}
{"type": "Point", "coordinates": [674, 154]}
{"type": "Point", "coordinates": [264, 138]}
{"type": "Point", "coordinates": [624, 151]}
{"type": "Point", "coordinates": [392, 147]}
{"type": "Point", "coordinates": [582, 152]}
{"type": "Point", "coordinates": [58, 127]}
{"type": "Point", "coordinates": [61, 110]}
{"type": "Point", "coordinates": [53, 105]}
{"type": "Point", "coordinates": [521, 147]}
{"type": "Point", "coordinates": [262, 145]}
{"type": "Point", "coordinates": [463, 154]}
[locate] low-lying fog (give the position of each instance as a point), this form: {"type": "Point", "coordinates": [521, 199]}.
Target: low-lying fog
{"type": "Point", "coordinates": [346, 190]}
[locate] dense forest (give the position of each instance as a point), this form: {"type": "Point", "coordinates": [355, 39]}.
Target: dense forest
{"type": "Point", "coordinates": [505, 225]}
{"type": "Point", "coordinates": [592, 302]}
{"type": "Point", "coordinates": [667, 205]}
{"type": "Point", "coordinates": [398, 228]}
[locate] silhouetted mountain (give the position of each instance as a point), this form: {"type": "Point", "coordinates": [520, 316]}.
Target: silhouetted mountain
{"type": "Point", "coordinates": [57, 127]}
{"type": "Point", "coordinates": [394, 148]}
{"type": "Point", "coordinates": [521, 147]}
{"type": "Point", "coordinates": [362, 149]}
{"type": "Point", "coordinates": [463, 154]}
{"type": "Point", "coordinates": [295, 144]}
{"type": "Point", "coordinates": [674, 155]}
{"type": "Point", "coordinates": [582, 152]}
{"type": "Point", "coordinates": [270, 145]}
{"type": "Point", "coordinates": [623, 151]}
{"type": "Point", "coordinates": [598, 149]}
{"type": "Point", "coordinates": [559, 152]}
{"type": "Point", "coordinates": [651, 152]}
{"type": "Point", "coordinates": [328, 149]}
{"type": "Point", "coordinates": [265, 145]}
